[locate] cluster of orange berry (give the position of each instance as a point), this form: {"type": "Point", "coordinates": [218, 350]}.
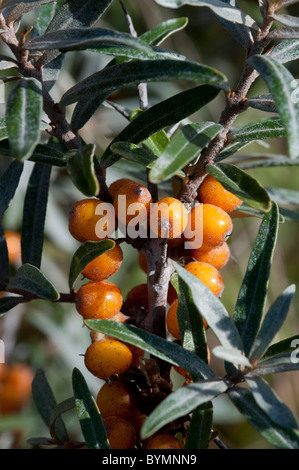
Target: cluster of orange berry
{"type": "Point", "coordinates": [98, 298]}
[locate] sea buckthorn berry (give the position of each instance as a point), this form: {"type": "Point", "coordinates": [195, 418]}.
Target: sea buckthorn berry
{"type": "Point", "coordinates": [91, 219]}
{"type": "Point", "coordinates": [13, 241]}
{"type": "Point", "coordinates": [104, 265]}
{"type": "Point", "coordinates": [212, 192]}
{"type": "Point", "coordinates": [162, 441]}
{"type": "Point", "coordinates": [217, 256]}
{"type": "Point", "coordinates": [15, 387]}
{"type": "Point", "coordinates": [132, 200]}
{"type": "Point", "coordinates": [174, 242]}
{"type": "Point", "coordinates": [137, 353]}
{"type": "Point", "coordinates": [116, 185]}
{"type": "Point", "coordinates": [172, 320]}
{"type": "Point", "coordinates": [98, 300]}
{"type": "Point", "coordinates": [138, 296]}
{"type": "Point", "coordinates": [168, 218]}
{"type": "Point", "coordinates": [116, 399]}
{"type": "Point", "coordinates": [207, 274]}
{"type": "Point", "coordinates": [215, 224]}
{"type": "Point", "coordinates": [107, 357]}
{"type": "Point", "coordinates": [120, 433]}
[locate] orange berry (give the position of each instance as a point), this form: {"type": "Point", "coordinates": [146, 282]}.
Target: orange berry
{"type": "Point", "coordinates": [13, 241]}
{"type": "Point", "coordinates": [138, 296]}
{"type": "Point", "coordinates": [104, 265]}
{"type": "Point", "coordinates": [215, 223]}
{"type": "Point", "coordinates": [98, 300]}
{"type": "Point", "coordinates": [116, 399]}
{"type": "Point", "coordinates": [217, 256]}
{"type": "Point", "coordinates": [116, 185]}
{"type": "Point", "coordinates": [168, 218]}
{"type": "Point", "coordinates": [212, 192]}
{"type": "Point", "coordinates": [132, 200]}
{"type": "Point", "coordinates": [137, 354]}
{"type": "Point", "coordinates": [172, 320]}
{"type": "Point", "coordinates": [174, 242]}
{"type": "Point", "coordinates": [91, 219]}
{"type": "Point", "coordinates": [138, 421]}
{"type": "Point", "coordinates": [208, 274]}
{"type": "Point", "coordinates": [15, 389]}
{"type": "Point", "coordinates": [162, 441]}
{"type": "Point", "coordinates": [120, 433]}
{"type": "Point", "coordinates": [107, 357]}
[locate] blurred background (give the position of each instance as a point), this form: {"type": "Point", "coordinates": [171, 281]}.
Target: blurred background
{"type": "Point", "coordinates": [52, 336]}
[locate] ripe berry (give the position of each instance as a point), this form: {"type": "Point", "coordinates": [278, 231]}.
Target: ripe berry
{"type": "Point", "coordinates": [105, 265]}
{"type": "Point", "coordinates": [137, 200]}
{"type": "Point", "coordinates": [86, 222]}
{"type": "Point", "coordinates": [212, 192]}
{"type": "Point", "coordinates": [120, 433]}
{"type": "Point", "coordinates": [98, 300]}
{"type": "Point", "coordinates": [168, 218]}
{"type": "Point", "coordinates": [208, 274]}
{"type": "Point", "coordinates": [116, 399]}
{"type": "Point", "coordinates": [138, 296]}
{"type": "Point", "coordinates": [13, 241]}
{"type": "Point", "coordinates": [217, 256]}
{"type": "Point", "coordinates": [116, 185]}
{"type": "Point", "coordinates": [15, 387]}
{"type": "Point", "coordinates": [172, 320]}
{"type": "Point", "coordinates": [215, 224]}
{"type": "Point", "coordinates": [107, 357]}
{"type": "Point", "coordinates": [162, 441]}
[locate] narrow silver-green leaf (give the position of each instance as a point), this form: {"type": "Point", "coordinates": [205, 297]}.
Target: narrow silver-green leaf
{"type": "Point", "coordinates": [284, 89]}
{"type": "Point", "coordinates": [23, 117]}
{"type": "Point", "coordinates": [87, 252]}
{"type": "Point", "coordinates": [272, 322]}
{"type": "Point", "coordinates": [212, 309]}
{"type": "Point", "coordinates": [134, 153]}
{"type": "Point", "coordinates": [265, 128]}
{"type": "Point", "coordinates": [279, 363]}
{"type": "Point", "coordinates": [182, 402]}
{"type": "Point", "coordinates": [89, 416]}
{"type": "Point", "coordinates": [252, 295]}
{"type": "Point", "coordinates": [7, 303]}
{"type": "Point", "coordinates": [286, 51]}
{"type": "Point", "coordinates": [267, 399]}
{"type": "Point", "coordinates": [286, 32]}
{"type": "Point", "coordinates": [30, 280]}
{"type": "Point", "coordinates": [220, 8]}
{"type": "Point", "coordinates": [185, 145]}
{"type": "Point", "coordinates": [8, 184]}
{"type": "Point", "coordinates": [159, 347]}
{"type": "Point", "coordinates": [243, 185]}
{"type": "Point", "coordinates": [284, 196]}
{"type": "Point", "coordinates": [287, 20]}
{"type": "Point", "coordinates": [239, 31]}
{"type": "Point", "coordinates": [23, 7]}
{"type": "Point", "coordinates": [80, 166]}
{"type": "Point", "coordinates": [166, 113]}
{"type": "Point", "coordinates": [231, 355]}
{"type": "Point", "coordinates": [200, 429]}
{"type": "Point", "coordinates": [159, 33]}
{"type": "Point", "coordinates": [262, 102]}
{"type": "Point", "coordinates": [276, 435]}
{"type": "Point", "coordinates": [132, 73]}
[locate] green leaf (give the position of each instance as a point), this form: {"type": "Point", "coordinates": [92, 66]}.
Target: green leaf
{"type": "Point", "coordinates": [239, 31]}
{"type": "Point", "coordinates": [286, 32]}
{"type": "Point", "coordinates": [23, 117]}
{"type": "Point", "coordinates": [267, 161]}
{"type": "Point", "coordinates": [41, 154]}
{"type": "Point", "coordinates": [132, 73]}
{"type": "Point", "coordinates": [160, 32]}
{"type": "Point", "coordinates": [276, 435]}
{"type": "Point", "coordinates": [287, 20]}
{"type": "Point", "coordinates": [265, 128]}
{"type": "Point", "coordinates": [81, 169]}
{"type": "Point", "coordinates": [230, 150]}
{"type": "Point", "coordinates": [34, 214]}
{"type": "Point", "coordinates": [90, 419]}
{"type": "Point", "coordinates": [269, 402]}
{"type": "Point", "coordinates": [43, 18]}
{"type": "Point", "coordinates": [284, 196]}
{"type": "Point", "coordinates": [220, 8]}
{"type": "Point", "coordinates": [159, 347]}
{"type": "Point", "coordinates": [83, 38]}
{"type": "Point", "coordinates": [45, 402]}
{"type": "Point", "coordinates": [282, 347]}
{"type": "Point", "coordinates": [7, 303]}
{"type": "Point", "coordinates": [181, 402]}
{"type": "Point", "coordinates": [4, 259]}
{"type": "Point", "coordinates": [283, 88]}
{"type": "Point", "coordinates": [272, 322]}
{"type": "Point", "coordinates": [161, 115]}
{"type": "Point", "coordinates": [8, 184]}
{"type": "Point", "coordinates": [22, 7]}
{"type": "Point", "coordinates": [87, 252]}
{"type": "Point", "coordinates": [200, 429]}
{"type": "Point", "coordinates": [231, 355]}
{"type": "Point", "coordinates": [286, 51]}
{"type": "Point", "coordinates": [135, 153]}
{"type": "Point", "coordinates": [157, 142]}
{"type": "Point", "coordinates": [30, 280]}
{"type": "Point", "coordinates": [253, 292]}
{"type": "Point", "coordinates": [279, 363]}
{"type": "Point", "coordinates": [263, 103]}
{"type": "Point", "coordinates": [185, 145]}
{"type": "Point", "coordinates": [57, 411]}
{"type": "Point", "coordinates": [212, 310]}
{"type": "Point", "coordinates": [243, 185]}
